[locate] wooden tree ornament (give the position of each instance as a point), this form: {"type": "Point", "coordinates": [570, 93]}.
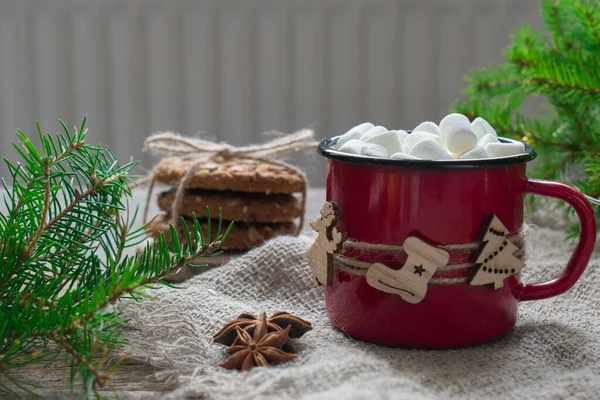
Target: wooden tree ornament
{"type": "Point", "coordinates": [496, 260]}
{"type": "Point", "coordinates": [328, 242]}
{"type": "Point", "coordinates": [409, 282]}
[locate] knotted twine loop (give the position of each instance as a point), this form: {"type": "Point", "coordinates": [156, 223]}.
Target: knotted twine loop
{"type": "Point", "coordinates": [353, 266]}
{"type": "Point", "coordinates": [201, 151]}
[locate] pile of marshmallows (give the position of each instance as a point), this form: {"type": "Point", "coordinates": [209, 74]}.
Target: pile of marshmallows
{"type": "Point", "coordinates": [456, 138]}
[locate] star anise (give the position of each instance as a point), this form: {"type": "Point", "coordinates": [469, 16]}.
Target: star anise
{"type": "Point", "coordinates": [259, 350]}
{"type": "Point", "coordinates": [275, 323]}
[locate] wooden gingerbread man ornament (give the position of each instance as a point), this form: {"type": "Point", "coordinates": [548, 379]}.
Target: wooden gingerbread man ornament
{"type": "Point", "coordinates": [328, 242]}
{"type": "Point", "coordinates": [496, 260]}
{"type": "Point", "coordinates": [410, 281]}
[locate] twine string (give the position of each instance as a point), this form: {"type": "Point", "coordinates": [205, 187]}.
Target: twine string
{"type": "Point", "coordinates": [356, 245]}
{"type": "Point", "coordinates": [201, 151]}
{"type": "Point", "coordinates": [353, 266]}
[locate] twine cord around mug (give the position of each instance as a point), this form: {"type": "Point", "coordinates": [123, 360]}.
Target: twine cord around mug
{"type": "Point", "coordinates": [356, 245]}
{"type": "Point", "coordinates": [356, 267]}
{"type": "Point", "coordinates": [201, 151]}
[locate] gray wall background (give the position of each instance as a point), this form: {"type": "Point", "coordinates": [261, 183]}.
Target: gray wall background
{"type": "Point", "coordinates": [236, 68]}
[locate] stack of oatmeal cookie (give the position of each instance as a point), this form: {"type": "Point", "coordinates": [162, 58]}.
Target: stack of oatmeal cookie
{"type": "Point", "coordinates": [261, 198]}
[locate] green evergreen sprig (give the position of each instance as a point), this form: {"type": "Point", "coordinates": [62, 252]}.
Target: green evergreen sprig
{"type": "Point", "coordinates": [64, 237]}
{"type": "Point", "coordinates": [561, 65]}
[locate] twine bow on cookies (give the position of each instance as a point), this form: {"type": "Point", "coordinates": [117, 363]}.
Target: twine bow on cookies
{"type": "Point", "coordinates": [201, 151]}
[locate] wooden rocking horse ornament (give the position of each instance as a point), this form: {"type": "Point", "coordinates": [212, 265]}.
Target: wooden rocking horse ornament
{"type": "Point", "coordinates": [328, 242]}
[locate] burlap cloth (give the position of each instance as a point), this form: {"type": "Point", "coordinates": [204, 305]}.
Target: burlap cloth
{"type": "Point", "coordinates": [553, 352]}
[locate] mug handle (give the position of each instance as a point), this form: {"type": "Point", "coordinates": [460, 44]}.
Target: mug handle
{"type": "Point", "coordinates": [587, 238]}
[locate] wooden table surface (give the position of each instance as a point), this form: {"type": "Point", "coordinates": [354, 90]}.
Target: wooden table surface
{"type": "Point", "coordinates": [132, 380]}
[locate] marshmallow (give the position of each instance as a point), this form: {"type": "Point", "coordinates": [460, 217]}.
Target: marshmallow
{"type": "Point", "coordinates": [374, 150]}
{"type": "Point", "coordinates": [373, 131]}
{"type": "Point", "coordinates": [474, 153]}
{"type": "Point", "coordinates": [363, 128]}
{"type": "Point", "coordinates": [481, 128]}
{"type": "Point", "coordinates": [456, 131]}
{"type": "Point", "coordinates": [403, 156]}
{"type": "Point", "coordinates": [402, 134]}
{"type": "Point", "coordinates": [428, 126]}
{"type": "Point", "coordinates": [348, 136]}
{"type": "Point", "coordinates": [390, 140]}
{"type": "Point", "coordinates": [354, 133]}
{"type": "Point", "coordinates": [353, 146]}
{"type": "Point", "coordinates": [454, 138]}
{"type": "Point", "coordinates": [429, 149]}
{"type": "Point", "coordinates": [460, 140]}
{"type": "Point", "coordinates": [416, 136]}
{"type": "Point", "coordinates": [487, 138]}
{"type": "Point", "coordinates": [453, 122]}
{"type": "Point", "coordinates": [504, 149]}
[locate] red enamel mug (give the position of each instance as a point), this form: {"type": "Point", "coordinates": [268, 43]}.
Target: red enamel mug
{"type": "Point", "coordinates": [385, 201]}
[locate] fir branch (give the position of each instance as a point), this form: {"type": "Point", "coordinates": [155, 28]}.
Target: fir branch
{"type": "Point", "coordinates": [494, 81]}
{"type": "Point", "coordinates": [580, 126]}
{"type": "Point", "coordinates": [86, 235]}
{"type": "Point", "coordinates": [65, 202]}
{"type": "Point", "coordinates": [562, 66]}
{"type": "Point", "coordinates": [547, 84]}
{"type": "Point", "coordinates": [91, 191]}
{"type": "Point", "coordinates": [525, 48]}
{"type": "Point", "coordinates": [592, 23]}
{"type": "Point", "coordinates": [42, 227]}
{"type": "Point", "coordinates": [100, 377]}
{"type": "Point", "coordinates": [553, 17]}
